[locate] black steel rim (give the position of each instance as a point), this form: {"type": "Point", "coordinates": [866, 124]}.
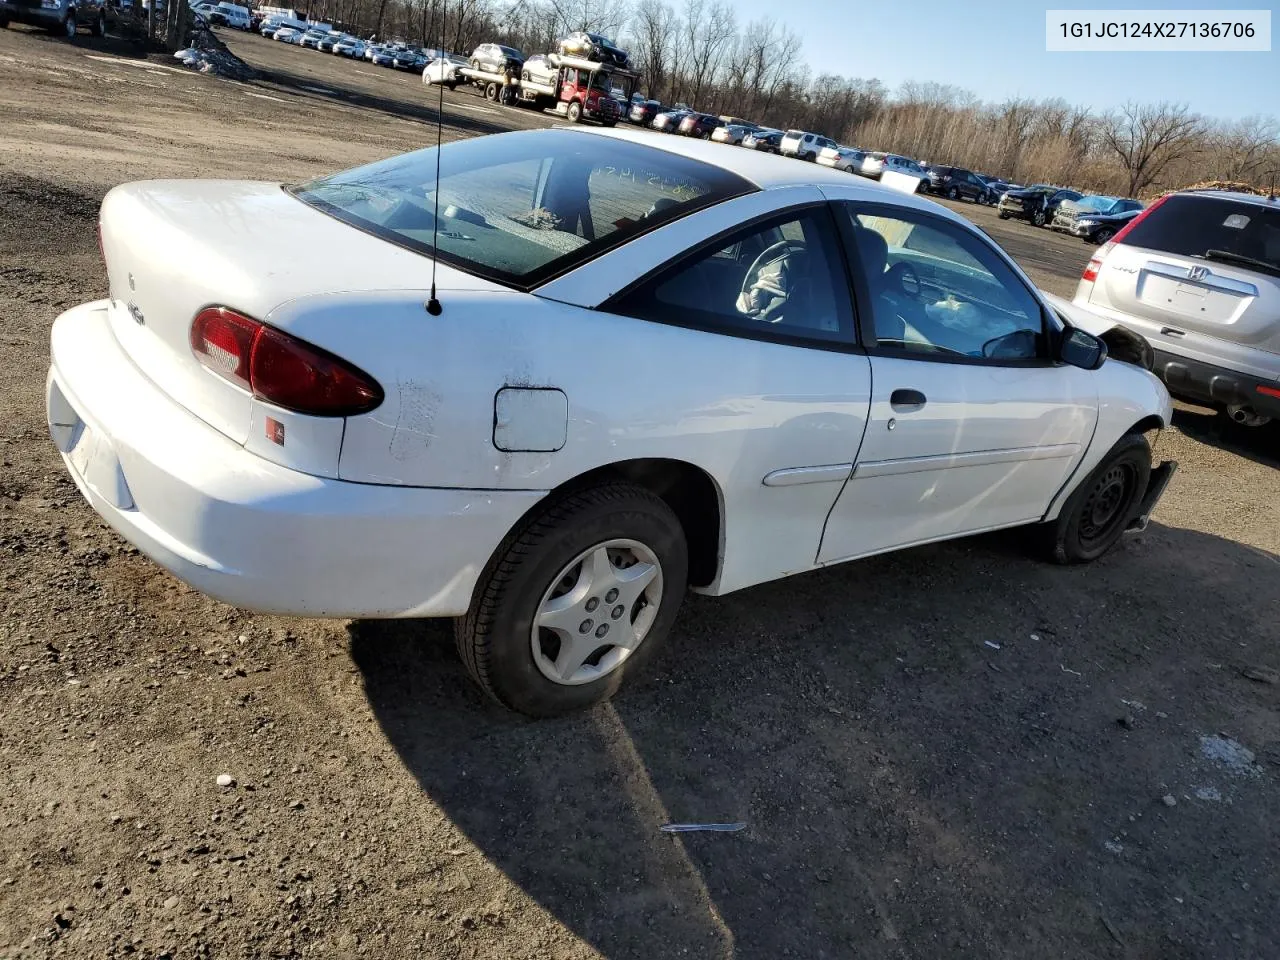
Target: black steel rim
{"type": "Point", "coordinates": [1105, 507]}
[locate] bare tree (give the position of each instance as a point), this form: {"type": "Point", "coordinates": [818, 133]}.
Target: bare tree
{"type": "Point", "coordinates": [1146, 138]}
{"type": "Point", "coordinates": [708, 34]}
{"type": "Point", "coordinates": [653, 27]}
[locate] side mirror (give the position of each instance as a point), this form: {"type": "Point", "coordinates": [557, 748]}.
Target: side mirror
{"type": "Point", "coordinates": [1081, 349]}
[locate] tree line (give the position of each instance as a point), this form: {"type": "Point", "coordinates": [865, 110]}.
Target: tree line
{"type": "Point", "coordinates": [701, 54]}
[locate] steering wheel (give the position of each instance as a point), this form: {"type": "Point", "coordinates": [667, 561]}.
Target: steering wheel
{"type": "Point", "coordinates": [902, 278]}
{"type": "Point", "coordinates": [756, 300]}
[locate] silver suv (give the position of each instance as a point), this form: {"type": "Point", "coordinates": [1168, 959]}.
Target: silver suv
{"type": "Point", "coordinates": [1198, 275]}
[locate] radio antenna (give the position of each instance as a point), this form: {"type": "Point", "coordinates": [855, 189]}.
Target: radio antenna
{"type": "Point", "coordinates": [433, 303]}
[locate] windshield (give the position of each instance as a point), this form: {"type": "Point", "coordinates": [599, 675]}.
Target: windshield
{"type": "Point", "coordinates": [1096, 204]}
{"type": "Point", "coordinates": [520, 208]}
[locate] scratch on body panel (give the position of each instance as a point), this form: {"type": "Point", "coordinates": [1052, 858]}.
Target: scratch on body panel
{"type": "Point", "coordinates": [412, 434]}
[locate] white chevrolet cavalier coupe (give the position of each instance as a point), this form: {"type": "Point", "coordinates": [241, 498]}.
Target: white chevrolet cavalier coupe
{"type": "Point", "coordinates": [650, 364]}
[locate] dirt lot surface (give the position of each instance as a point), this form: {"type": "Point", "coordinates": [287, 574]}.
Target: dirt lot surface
{"type": "Point", "coordinates": [956, 751]}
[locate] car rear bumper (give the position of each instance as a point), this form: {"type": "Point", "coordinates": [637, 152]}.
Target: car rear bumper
{"type": "Point", "coordinates": [247, 531]}
{"type": "Point", "coordinates": [1156, 486]}
{"type": "Point", "coordinates": [1197, 380]}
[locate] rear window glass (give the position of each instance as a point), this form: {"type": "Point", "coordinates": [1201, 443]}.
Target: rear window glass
{"type": "Point", "coordinates": [1213, 228]}
{"type": "Point", "coordinates": [520, 208]}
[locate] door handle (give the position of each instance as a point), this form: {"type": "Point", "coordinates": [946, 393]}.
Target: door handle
{"type": "Point", "coordinates": [903, 400]}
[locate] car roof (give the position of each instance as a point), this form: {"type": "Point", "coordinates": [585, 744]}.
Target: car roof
{"type": "Point", "coordinates": [765, 170]}
{"type": "Point", "coordinates": [1253, 198]}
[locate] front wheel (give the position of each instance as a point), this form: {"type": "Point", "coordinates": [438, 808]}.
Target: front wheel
{"type": "Point", "coordinates": [100, 25]}
{"type": "Point", "coordinates": [953, 194]}
{"type": "Point", "coordinates": [69, 26]}
{"type": "Point", "coordinates": [575, 600]}
{"type": "Point", "coordinates": [1096, 514]}
{"type": "Point", "coordinates": [1103, 235]}
{"type": "Point", "coordinates": [1039, 218]}
{"type": "Point", "coordinates": [574, 112]}
{"type": "Point", "coordinates": [1002, 215]}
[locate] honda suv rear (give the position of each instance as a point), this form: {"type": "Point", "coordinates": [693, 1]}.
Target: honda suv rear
{"type": "Point", "coordinates": [1198, 275]}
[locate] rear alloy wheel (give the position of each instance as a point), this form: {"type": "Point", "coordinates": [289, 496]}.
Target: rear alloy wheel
{"type": "Point", "coordinates": [575, 600]}
{"type": "Point", "coordinates": [1096, 514]}
{"type": "Point", "coordinates": [574, 113]}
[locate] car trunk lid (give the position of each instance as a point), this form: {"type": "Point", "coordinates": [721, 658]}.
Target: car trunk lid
{"type": "Point", "coordinates": [173, 248]}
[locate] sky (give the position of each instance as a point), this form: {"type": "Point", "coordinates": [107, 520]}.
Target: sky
{"type": "Point", "coordinates": [996, 49]}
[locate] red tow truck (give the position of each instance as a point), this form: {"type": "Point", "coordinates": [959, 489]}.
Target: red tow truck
{"type": "Point", "coordinates": [581, 89]}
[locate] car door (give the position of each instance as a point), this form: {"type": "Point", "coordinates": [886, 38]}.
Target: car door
{"type": "Point", "coordinates": [768, 301]}
{"type": "Point", "coordinates": [971, 426]}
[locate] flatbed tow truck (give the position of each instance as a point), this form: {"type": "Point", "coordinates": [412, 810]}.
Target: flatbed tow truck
{"type": "Point", "coordinates": [581, 89]}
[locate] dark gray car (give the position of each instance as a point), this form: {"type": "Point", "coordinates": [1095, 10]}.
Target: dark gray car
{"type": "Point", "coordinates": [57, 16]}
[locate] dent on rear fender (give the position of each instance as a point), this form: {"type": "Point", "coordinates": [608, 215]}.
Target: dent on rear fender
{"type": "Point", "coordinates": [411, 434]}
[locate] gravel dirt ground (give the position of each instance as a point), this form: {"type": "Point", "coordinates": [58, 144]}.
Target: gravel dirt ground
{"type": "Point", "coordinates": [956, 751]}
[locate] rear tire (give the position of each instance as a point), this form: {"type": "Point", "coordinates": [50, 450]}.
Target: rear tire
{"type": "Point", "coordinates": [1095, 516]}
{"type": "Point", "coordinates": [549, 557]}
{"type": "Point", "coordinates": [100, 25]}
{"type": "Point", "coordinates": [68, 28]}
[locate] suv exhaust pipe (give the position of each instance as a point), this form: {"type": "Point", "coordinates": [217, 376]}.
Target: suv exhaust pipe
{"type": "Point", "coordinates": [1246, 416]}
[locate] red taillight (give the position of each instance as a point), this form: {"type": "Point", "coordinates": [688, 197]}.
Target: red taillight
{"type": "Point", "coordinates": [1095, 263]}
{"type": "Point", "coordinates": [279, 368]}
{"type": "Point", "coordinates": [1268, 391]}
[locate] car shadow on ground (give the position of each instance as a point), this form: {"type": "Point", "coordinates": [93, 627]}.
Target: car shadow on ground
{"type": "Point", "coordinates": [924, 747]}
{"type": "Point", "coordinates": [326, 89]}
{"type": "Point", "coordinates": [1215, 428]}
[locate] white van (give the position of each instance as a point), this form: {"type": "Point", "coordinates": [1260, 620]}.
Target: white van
{"type": "Point", "coordinates": [236, 16]}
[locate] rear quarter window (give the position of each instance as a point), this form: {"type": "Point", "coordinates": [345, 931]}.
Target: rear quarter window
{"type": "Point", "coordinates": [520, 208]}
{"type": "Point", "coordinates": [1197, 226]}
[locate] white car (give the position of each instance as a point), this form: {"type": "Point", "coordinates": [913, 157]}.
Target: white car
{"type": "Point", "coordinates": [635, 372]}
{"type": "Point", "coordinates": [875, 164]}
{"type": "Point", "coordinates": [731, 133]}
{"type": "Point", "coordinates": [443, 70]}
{"type": "Point", "coordinates": [848, 159]}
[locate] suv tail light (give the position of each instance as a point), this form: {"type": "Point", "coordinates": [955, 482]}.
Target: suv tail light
{"type": "Point", "coordinates": [279, 368]}
{"type": "Point", "coordinates": [1095, 262]}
